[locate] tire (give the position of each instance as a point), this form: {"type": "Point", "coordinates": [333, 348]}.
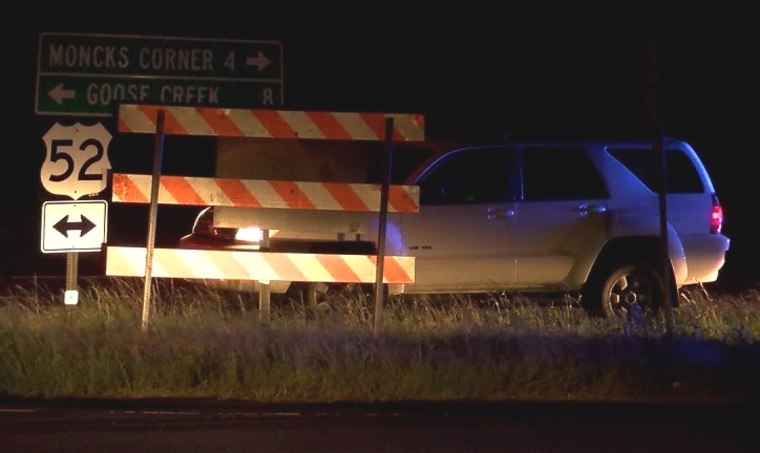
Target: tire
{"type": "Point", "coordinates": [623, 289]}
{"type": "Point", "coordinates": [310, 295]}
{"type": "Point", "coordinates": [318, 297]}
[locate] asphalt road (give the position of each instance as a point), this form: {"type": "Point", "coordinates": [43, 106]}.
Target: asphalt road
{"type": "Point", "coordinates": [201, 426]}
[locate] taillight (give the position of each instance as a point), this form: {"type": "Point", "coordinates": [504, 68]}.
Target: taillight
{"type": "Point", "coordinates": [716, 219]}
{"type": "Point", "coordinates": [204, 226]}
{"type": "Point", "coordinates": [250, 234]}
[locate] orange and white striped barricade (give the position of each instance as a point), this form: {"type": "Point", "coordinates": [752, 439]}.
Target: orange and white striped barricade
{"type": "Point", "coordinates": [141, 118]}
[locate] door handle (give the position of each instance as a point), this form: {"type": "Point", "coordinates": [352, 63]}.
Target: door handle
{"type": "Point", "coordinates": [586, 209]}
{"type": "Point", "coordinates": [493, 213]}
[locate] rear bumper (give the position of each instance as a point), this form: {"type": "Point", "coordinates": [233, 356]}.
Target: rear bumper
{"type": "Point", "coordinates": [705, 256]}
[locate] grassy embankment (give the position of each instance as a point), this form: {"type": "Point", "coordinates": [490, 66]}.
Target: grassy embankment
{"type": "Point", "coordinates": [208, 344]}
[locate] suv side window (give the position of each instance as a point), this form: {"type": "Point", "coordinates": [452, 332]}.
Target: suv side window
{"type": "Point", "coordinates": [470, 176]}
{"type": "Point", "coordinates": [560, 173]}
{"type": "Point", "coordinates": [681, 177]}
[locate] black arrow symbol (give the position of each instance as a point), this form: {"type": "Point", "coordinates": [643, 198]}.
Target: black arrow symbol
{"type": "Point", "coordinates": [64, 226]}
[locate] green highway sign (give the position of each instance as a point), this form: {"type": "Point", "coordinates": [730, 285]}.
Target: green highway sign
{"type": "Point", "coordinates": [89, 74]}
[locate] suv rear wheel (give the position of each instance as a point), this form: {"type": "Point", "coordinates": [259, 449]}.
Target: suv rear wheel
{"type": "Point", "coordinates": [319, 297]}
{"type": "Point", "coordinates": [623, 288]}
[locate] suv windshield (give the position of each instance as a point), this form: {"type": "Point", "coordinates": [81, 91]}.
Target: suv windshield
{"type": "Point", "coordinates": [406, 158]}
{"type": "Point", "coordinates": [471, 176]}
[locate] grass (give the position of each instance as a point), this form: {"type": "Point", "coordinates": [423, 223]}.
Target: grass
{"type": "Point", "coordinates": [204, 343]}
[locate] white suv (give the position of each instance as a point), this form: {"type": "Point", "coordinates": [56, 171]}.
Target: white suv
{"type": "Point", "coordinates": [549, 217]}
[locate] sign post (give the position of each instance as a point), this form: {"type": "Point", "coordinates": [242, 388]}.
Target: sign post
{"type": "Point", "coordinates": [88, 74]}
{"type": "Point", "coordinates": [71, 295]}
{"type": "Point", "coordinates": [158, 152]}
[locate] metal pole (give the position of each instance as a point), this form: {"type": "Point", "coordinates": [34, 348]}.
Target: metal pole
{"type": "Point", "coordinates": [265, 297]}
{"type": "Point", "coordinates": [379, 293]}
{"type": "Point", "coordinates": [653, 96]}
{"type": "Point", "coordinates": [71, 294]}
{"type": "Point", "coordinates": [158, 151]}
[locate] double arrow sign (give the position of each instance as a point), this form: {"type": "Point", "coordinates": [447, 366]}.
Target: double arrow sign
{"type": "Point", "coordinates": [84, 226]}
{"type": "Point", "coordinates": [62, 232]}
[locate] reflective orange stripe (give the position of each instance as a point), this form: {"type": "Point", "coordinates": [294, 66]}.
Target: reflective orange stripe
{"type": "Point", "coordinates": [198, 191]}
{"type": "Point", "coordinates": [250, 265]}
{"type": "Point", "coordinates": [181, 120]}
{"type": "Point", "coordinates": [181, 190]}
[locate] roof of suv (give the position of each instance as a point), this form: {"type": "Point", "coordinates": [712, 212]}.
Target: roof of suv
{"type": "Point", "coordinates": [435, 150]}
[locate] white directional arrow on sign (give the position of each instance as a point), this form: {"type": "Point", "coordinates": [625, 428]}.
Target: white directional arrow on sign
{"type": "Point", "coordinates": [59, 94]}
{"type": "Point", "coordinates": [260, 61]}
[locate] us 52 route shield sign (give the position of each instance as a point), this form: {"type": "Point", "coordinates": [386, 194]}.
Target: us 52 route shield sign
{"type": "Point", "coordinates": [87, 74]}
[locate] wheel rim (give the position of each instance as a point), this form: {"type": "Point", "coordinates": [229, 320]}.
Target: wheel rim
{"type": "Point", "coordinates": [632, 289]}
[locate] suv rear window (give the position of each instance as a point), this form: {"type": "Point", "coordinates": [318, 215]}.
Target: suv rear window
{"type": "Point", "coordinates": [681, 177]}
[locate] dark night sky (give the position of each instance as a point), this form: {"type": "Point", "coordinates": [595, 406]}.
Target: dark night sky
{"type": "Point", "coordinates": [477, 71]}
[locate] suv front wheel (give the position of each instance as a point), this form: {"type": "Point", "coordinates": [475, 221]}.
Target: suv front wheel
{"type": "Point", "coordinates": [622, 289]}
